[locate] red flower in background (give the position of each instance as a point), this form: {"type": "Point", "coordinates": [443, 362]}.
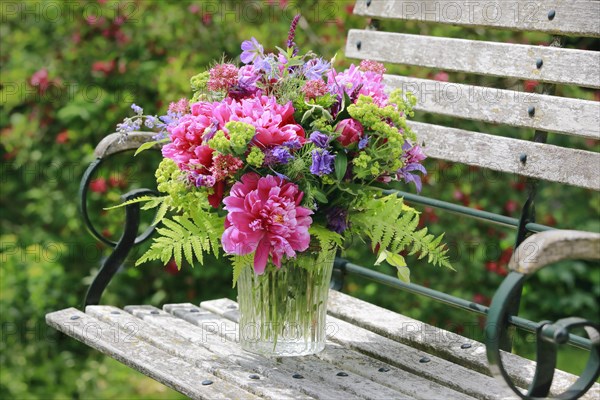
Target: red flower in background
{"type": "Point", "coordinates": [98, 185]}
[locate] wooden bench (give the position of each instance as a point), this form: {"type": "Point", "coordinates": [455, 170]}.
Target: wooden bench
{"type": "Point", "coordinates": [373, 352]}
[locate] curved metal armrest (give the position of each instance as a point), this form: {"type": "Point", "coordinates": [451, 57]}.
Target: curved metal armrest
{"type": "Point", "coordinates": [548, 247]}
{"type": "Point", "coordinates": [534, 253]}
{"type": "Point", "coordinates": [113, 144]}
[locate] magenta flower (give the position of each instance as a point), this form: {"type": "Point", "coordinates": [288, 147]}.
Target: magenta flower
{"type": "Point", "coordinates": [350, 130]}
{"type": "Point", "coordinates": [264, 216]}
{"type": "Point", "coordinates": [353, 80]}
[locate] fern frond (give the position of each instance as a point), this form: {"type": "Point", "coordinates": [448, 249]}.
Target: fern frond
{"type": "Point", "coordinates": [387, 221]}
{"type": "Point", "coordinates": [186, 237]}
{"type": "Point", "coordinates": [326, 237]}
{"type": "Point", "coordinates": [239, 263]}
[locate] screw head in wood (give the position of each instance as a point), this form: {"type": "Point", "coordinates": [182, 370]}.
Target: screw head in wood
{"type": "Point", "coordinates": [383, 369]}
{"type": "Point", "coordinates": [341, 374]}
{"type": "Point", "coordinates": [539, 63]}
{"type": "Point", "coordinates": [207, 382]}
{"type": "Point", "coordinates": [358, 45]}
{"type": "Point", "coordinates": [297, 376]}
{"type": "Point", "coordinates": [74, 317]}
{"type": "Point", "coordinates": [368, 3]}
{"type": "Point", "coordinates": [424, 360]}
{"type": "Point", "coordinates": [523, 158]}
{"type": "Point", "coordinates": [194, 310]}
{"type": "Point", "coordinates": [154, 312]}
{"type": "Point", "coordinates": [253, 376]}
{"type": "Point", "coordinates": [232, 306]}
{"type": "Point", "coordinates": [465, 346]}
{"type": "Point", "coordinates": [551, 14]}
{"type": "Point", "coordinates": [531, 111]}
{"type": "Point", "coordinates": [115, 312]}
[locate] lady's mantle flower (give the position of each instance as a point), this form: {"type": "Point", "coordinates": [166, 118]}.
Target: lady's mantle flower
{"type": "Point", "coordinates": [322, 162]}
{"type": "Point", "coordinates": [264, 216]}
{"type": "Point", "coordinates": [251, 51]}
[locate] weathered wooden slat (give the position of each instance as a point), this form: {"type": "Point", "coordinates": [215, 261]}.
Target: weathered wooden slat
{"type": "Point", "coordinates": [193, 353]}
{"type": "Point", "coordinates": [116, 143]}
{"type": "Point", "coordinates": [438, 341]}
{"type": "Point", "coordinates": [349, 360]}
{"type": "Point", "coordinates": [437, 370]}
{"type": "Point", "coordinates": [579, 17]}
{"type": "Point", "coordinates": [218, 335]}
{"type": "Point", "coordinates": [567, 66]}
{"type": "Point", "coordinates": [556, 114]}
{"type": "Point", "coordinates": [142, 356]}
{"type": "Point", "coordinates": [311, 367]}
{"type": "Point", "coordinates": [543, 161]}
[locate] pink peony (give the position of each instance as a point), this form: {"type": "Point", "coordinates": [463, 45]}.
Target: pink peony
{"type": "Point", "coordinates": [264, 216]}
{"type": "Point", "coordinates": [351, 131]}
{"type": "Point", "coordinates": [274, 122]}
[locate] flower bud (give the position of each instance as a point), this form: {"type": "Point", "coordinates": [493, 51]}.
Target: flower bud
{"type": "Point", "coordinates": [350, 130]}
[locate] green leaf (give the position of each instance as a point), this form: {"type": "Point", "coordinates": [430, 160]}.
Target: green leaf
{"type": "Point", "coordinates": [404, 274]}
{"type": "Point", "coordinates": [341, 164]}
{"type": "Point", "coordinates": [149, 145]}
{"type": "Point", "coordinates": [320, 196]}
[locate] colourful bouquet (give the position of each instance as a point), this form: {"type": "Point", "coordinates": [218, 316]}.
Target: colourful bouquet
{"type": "Point", "coordinates": [281, 151]}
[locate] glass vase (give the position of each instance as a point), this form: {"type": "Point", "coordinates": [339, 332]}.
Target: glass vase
{"type": "Point", "coordinates": [282, 311]}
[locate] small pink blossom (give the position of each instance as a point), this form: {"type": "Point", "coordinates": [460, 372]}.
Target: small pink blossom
{"type": "Point", "coordinates": [373, 66]}
{"type": "Point", "coordinates": [265, 217]}
{"type": "Point", "coordinates": [181, 107]}
{"type": "Point", "coordinates": [222, 77]}
{"type": "Point", "coordinates": [314, 88]}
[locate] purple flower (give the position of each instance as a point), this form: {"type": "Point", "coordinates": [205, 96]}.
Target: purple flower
{"type": "Point", "coordinates": [412, 162]}
{"type": "Point", "coordinates": [264, 64]}
{"type": "Point", "coordinates": [137, 109]}
{"type": "Point", "coordinates": [362, 143]}
{"type": "Point", "coordinates": [292, 33]}
{"type": "Point", "coordinates": [337, 219]}
{"type": "Point", "coordinates": [322, 162]}
{"type": "Point", "coordinates": [293, 144]}
{"type": "Point", "coordinates": [315, 68]}
{"type": "Point", "coordinates": [205, 180]}
{"type": "Point", "coordinates": [282, 154]}
{"type": "Point", "coordinates": [251, 51]}
{"type": "Point", "coordinates": [404, 173]}
{"type": "Point", "coordinates": [320, 139]}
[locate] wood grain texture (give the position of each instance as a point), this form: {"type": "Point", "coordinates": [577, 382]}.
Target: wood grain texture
{"type": "Point", "coordinates": [577, 18]}
{"type": "Point", "coordinates": [546, 248]}
{"type": "Point", "coordinates": [142, 356]}
{"type": "Point", "coordinates": [439, 371]}
{"type": "Point", "coordinates": [116, 143]}
{"type": "Point", "coordinates": [312, 368]}
{"type": "Point", "coordinates": [568, 66]}
{"type": "Point", "coordinates": [194, 353]}
{"type": "Point", "coordinates": [552, 163]}
{"type": "Point", "coordinates": [555, 114]}
{"type": "Point", "coordinates": [440, 342]}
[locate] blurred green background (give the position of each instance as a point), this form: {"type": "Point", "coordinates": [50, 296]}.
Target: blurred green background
{"type": "Point", "coordinates": [69, 72]}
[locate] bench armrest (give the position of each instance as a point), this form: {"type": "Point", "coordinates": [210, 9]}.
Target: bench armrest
{"type": "Point", "coordinates": [548, 247]}
{"type": "Point", "coordinates": [117, 142]}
